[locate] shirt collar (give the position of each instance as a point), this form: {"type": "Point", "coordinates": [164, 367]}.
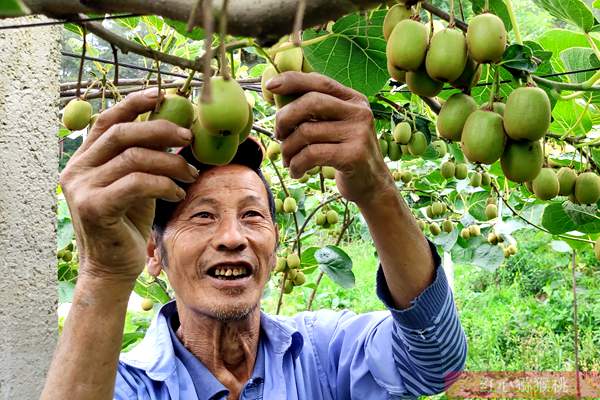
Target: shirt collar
{"type": "Point", "coordinates": [155, 354]}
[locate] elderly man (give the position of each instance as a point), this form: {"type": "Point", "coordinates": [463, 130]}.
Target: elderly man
{"type": "Point", "coordinates": [217, 241]}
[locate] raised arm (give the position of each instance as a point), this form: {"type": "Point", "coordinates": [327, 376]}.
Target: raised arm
{"type": "Point", "coordinates": [111, 184]}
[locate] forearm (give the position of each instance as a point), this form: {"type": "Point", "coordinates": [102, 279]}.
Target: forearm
{"type": "Point", "coordinates": [85, 361]}
{"type": "Point", "coordinates": [402, 248]}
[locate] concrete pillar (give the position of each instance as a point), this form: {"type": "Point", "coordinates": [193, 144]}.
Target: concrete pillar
{"type": "Point", "coordinates": [29, 94]}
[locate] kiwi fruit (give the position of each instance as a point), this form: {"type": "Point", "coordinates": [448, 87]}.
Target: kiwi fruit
{"type": "Point", "coordinates": [486, 179]}
{"type": "Point", "coordinates": [491, 211]}
{"type": "Point", "coordinates": [492, 238]}
{"type": "Point", "coordinates": [440, 148]}
{"type": "Point", "coordinates": [486, 38]}
{"type": "Point", "coordinates": [465, 233]}
{"type": "Point", "coordinates": [497, 107]}
{"type": "Point", "coordinates": [314, 170]}
{"type": "Point", "coordinates": [244, 133]}
{"type": "Point", "coordinates": [328, 172]}
{"type": "Point", "coordinates": [437, 208]}
{"type": "Point", "coordinates": [407, 45]}
{"type": "Point", "coordinates": [283, 100]}
{"type": "Point", "coordinates": [332, 217]}
{"type": "Point", "coordinates": [597, 249]}
{"type": "Point", "coordinates": [447, 169]}
{"type": "Point", "coordinates": [289, 60]}
{"type": "Point", "coordinates": [212, 149]}
{"type": "Point", "coordinates": [397, 175]}
{"type": "Point", "coordinates": [566, 180]}
{"type": "Point", "coordinates": [147, 304]}
{"type": "Point", "coordinates": [179, 110]}
{"type": "Point", "coordinates": [454, 114]}
{"type": "Point", "coordinates": [406, 176]}
{"type": "Point", "coordinates": [511, 249]}
{"type": "Point", "coordinates": [77, 115]}
{"type": "Point", "coordinates": [288, 287]}
{"type": "Point", "coordinates": [383, 147]}
{"type": "Point", "coordinates": [303, 178]}
{"type": "Point", "coordinates": [402, 133]}
{"type": "Point", "coordinates": [475, 179]}
{"type": "Point", "coordinates": [587, 188]}
{"type": "Point", "coordinates": [278, 205]}
{"type": "Point", "coordinates": [447, 55]}
{"type": "Point", "coordinates": [289, 205]}
{"type": "Point", "coordinates": [474, 230]}
{"type": "Point", "coordinates": [299, 279]}
{"type": "Point", "coordinates": [320, 219]}
{"type": "Point", "coordinates": [293, 261]}
{"type": "Point", "coordinates": [546, 185]}
{"type": "Point", "coordinates": [421, 84]}
{"type": "Point", "coordinates": [483, 138]}
{"type": "Point", "coordinates": [67, 255]}
{"type": "Point", "coordinates": [527, 114]}
{"type": "Point", "coordinates": [522, 161]}
{"type": "Point", "coordinates": [469, 77]}
{"type": "Point", "coordinates": [394, 151]}
{"type": "Point", "coordinates": [395, 73]}
{"type": "Point", "coordinates": [422, 225]}
{"type": "Point", "coordinates": [448, 226]}
{"type": "Point", "coordinates": [280, 265]}
{"type": "Point", "coordinates": [269, 73]}
{"type": "Point", "coordinates": [429, 212]}
{"type": "Point", "coordinates": [395, 14]}
{"type": "Point", "coordinates": [273, 150]}
{"type": "Point", "coordinates": [227, 112]}
{"type": "Point", "coordinates": [435, 229]}
{"type": "Point", "coordinates": [417, 144]}
{"type": "Point", "coordinates": [461, 171]}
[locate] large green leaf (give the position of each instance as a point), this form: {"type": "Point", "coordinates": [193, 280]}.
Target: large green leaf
{"type": "Point", "coordinates": [478, 253]}
{"type": "Point", "coordinates": [64, 233]}
{"type": "Point", "coordinates": [13, 8]}
{"type": "Point", "coordinates": [573, 11]}
{"type": "Point", "coordinates": [578, 58]}
{"type": "Point", "coordinates": [353, 54]}
{"type": "Point", "coordinates": [566, 116]}
{"type": "Point", "coordinates": [155, 290]}
{"type": "Point", "coordinates": [556, 220]}
{"type": "Point", "coordinates": [181, 28]}
{"type": "Point", "coordinates": [336, 264]}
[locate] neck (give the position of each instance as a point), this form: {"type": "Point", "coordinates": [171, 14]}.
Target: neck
{"type": "Point", "coordinates": [227, 348]}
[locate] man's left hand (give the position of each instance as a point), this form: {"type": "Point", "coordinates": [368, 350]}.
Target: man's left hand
{"type": "Point", "coordinates": [330, 125]}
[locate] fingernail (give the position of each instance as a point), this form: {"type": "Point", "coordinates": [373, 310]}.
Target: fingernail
{"type": "Point", "coordinates": [150, 93]}
{"type": "Point", "coordinates": [180, 193]}
{"type": "Point", "coordinates": [185, 134]}
{"type": "Point", "coordinates": [193, 171]}
{"type": "Point", "coordinates": [273, 83]}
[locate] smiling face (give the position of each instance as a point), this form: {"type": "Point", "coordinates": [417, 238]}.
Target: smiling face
{"type": "Point", "coordinates": [220, 244]}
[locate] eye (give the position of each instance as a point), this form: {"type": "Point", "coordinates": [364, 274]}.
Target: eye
{"type": "Point", "coordinates": [202, 215]}
{"type": "Point", "coordinates": [252, 213]}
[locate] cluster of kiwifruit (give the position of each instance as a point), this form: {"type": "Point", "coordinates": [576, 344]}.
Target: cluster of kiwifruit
{"type": "Point", "coordinates": [494, 239]}
{"type": "Point", "coordinates": [287, 205]}
{"type": "Point", "coordinates": [451, 170]}
{"type": "Point", "coordinates": [326, 217]}
{"type": "Point", "coordinates": [404, 176]}
{"type": "Point", "coordinates": [470, 231]}
{"type": "Point", "coordinates": [218, 125]}
{"type": "Point", "coordinates": [581, 189]}
{"type": "Point", "coordinates": [291, 264]}
{"type": "Point", "coordinates": [66, 254]}
{"type": "Point", "coordinates": [406, 141]}
{"type": "Point", "coordinates": [436, 210]}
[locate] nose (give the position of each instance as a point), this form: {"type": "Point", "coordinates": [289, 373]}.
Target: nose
{"type": "Point", "coordinates": [229, 236]}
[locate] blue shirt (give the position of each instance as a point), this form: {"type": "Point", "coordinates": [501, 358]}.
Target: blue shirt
{"type": "Point", "coordinates": [394, 354]}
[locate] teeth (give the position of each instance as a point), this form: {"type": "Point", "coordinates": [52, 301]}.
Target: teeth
{"type": "Point", "coordinates": [229, 272]}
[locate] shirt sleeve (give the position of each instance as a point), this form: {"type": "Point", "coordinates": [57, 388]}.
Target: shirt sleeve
{"type": "Point", "coordinates": [397, 353]}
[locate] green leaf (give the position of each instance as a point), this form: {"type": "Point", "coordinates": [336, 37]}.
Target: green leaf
{"type": "Point", "coordinates": [446, 240]}
{"type": "Point", "coordinates": [354, 54]}
{"type": "Point", "coordinates": [573, 11]}
{"type": "Point", "coordinates": [308, 256]}
{"type": "Point", "coordinates": [556, 220]}
{"type": "Point", "coordinates": [181, 28]}
{"type": "Point", "coordinates": [566, 115]}
{"type": "Point", "coordinates": [13, 8]}
{"type": "Point", "coordinates": [65, 292]}
{"type": "Point", "coordinates": [596, 4]}
{"type": "Point", "coordinates": [64, 233]}
{"type": "Point", "coordinates": [518, 57]}
{"type": "Point", "coordinates": [488, 257]}
{"type": "Point", "coordinates": [577, 58]}
{"type": "Point", "coordinates": [337, 265]}
{"type": "Point", "coordinates": [561, 246]}
{"type": "Point", "coordinates": [155, 290]}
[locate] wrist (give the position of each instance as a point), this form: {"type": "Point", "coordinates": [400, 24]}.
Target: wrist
{"type": "Point", "coordinates": [95, 289]}
{"type": "Point", "coordinates": [383, 194]}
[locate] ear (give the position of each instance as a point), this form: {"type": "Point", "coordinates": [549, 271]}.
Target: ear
{"type": "Point", "coordinates": [154, 263]}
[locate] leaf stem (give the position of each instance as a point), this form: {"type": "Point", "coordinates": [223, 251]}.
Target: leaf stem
{"type": "Point", "coordinates": [304, 43]}
{"type": "Point", "coordinates": [513, 21]}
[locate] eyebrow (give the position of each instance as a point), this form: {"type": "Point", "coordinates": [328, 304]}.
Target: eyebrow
{"type": "Point", "coordinates": [213, 202]}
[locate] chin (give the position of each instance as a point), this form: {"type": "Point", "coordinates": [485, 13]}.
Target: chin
{"type": "Point", "coordinates": [232, 312]}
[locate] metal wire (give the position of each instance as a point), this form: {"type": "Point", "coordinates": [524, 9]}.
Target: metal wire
{"type": "Point", "coordinates": [66, 21]}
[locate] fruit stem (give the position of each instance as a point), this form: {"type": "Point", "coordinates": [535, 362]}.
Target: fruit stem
{"type": "Point", "coordinates": [266, 55]}
{"type": "Point", "coordinates": [188, 82]}
{"type": "Point", "coordinates": [222, 34]}
{"type": "Point", "coordinates": [495, 87]}
{"type": "Point", "coordinates": [486, 7]}
{"type": "Point", "coordinates": [451, 23]}
{"type": "Point", "coordinates": [513, 21]}
{"type": "Point", "coordinates": [81, 62]}
{"type": "Point", "coordinates": [304, 43]}
{"type": "Point", "coordinates": [296, 36]}
{"type": "Point", "coordinates": [207, 23]}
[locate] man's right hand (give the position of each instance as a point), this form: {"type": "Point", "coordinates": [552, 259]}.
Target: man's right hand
{"type": "Point", "coordinates": [113, 180]}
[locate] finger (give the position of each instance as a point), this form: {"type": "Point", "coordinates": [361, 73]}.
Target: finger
{"type": "Point", "coordinates": [309, 133]}
{"type": "Point", "coordinates": [138, 159]}
{"type": "Point", "coordinates": [311, 106]}
{"type": "Point", "coordinates": [136, 187]}
{"type": "Point", "coordinates": [289, 83]}
{"type": "Point", "coordinates": [124, 111]}
{"type": "Point", "coordinates": [158, 134]}
{"type": "Point", "coordinates": [325, 154]}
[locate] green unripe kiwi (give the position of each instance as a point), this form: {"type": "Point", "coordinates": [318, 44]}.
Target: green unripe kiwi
{"type": "Point", "coordinates": [314, 170]}
{"type": "Point", "coordinates": [483, 138]}
{"type": "Point", "coordinates": [212, 149]}
{"type": "Point", "coordinates": [288, 287]}
{"type": "Point", "coordinates": [486, 179]}
{"type": "Point", "coordinates": [440, 148]}
{"type": "Point", "coordinates": [429, 212]}
{"type": "Point", "coordinates": [448, 226]}
{"type": "Point", "coordinates": [447, 55]}
{"type": "Point", "coordinates": [283, 100]}
{"type": "Point", "coordinates": [469, 77]}
{"type": "Point", "coordinates": [491, 211]}
{"type": "Point", "coordinates": [587, 188]}
{"type": "Point", "coordinates": [245, 132]}
{"type": "Point", "coordinates": [67, 255]}
{"type": "Point", "coordinates": [527, 114]}
{"type": "Point", "coordinates": [437, 208]}
{"type": "Point", "coordinates": [566, 180]}
{"type": "Point", "coordinates": [273, 150]}
{"type": "Point", "coordinates": [597, 249]}
{"type": "Point", "coordinates": [303, 178]}
{"type": "Point", "coordinates": [396, 73]}
{"type": "Point", "coordinates": [454, 114]}
{"type": "Point", "coordinates": [269, 73]}
{"type": "Point", "coordinates": [461, 171]}
{"type": "Point", "coordinates": [179, 110]}
{"type": "Point", "coordinates": [307, 67]}
{"type": "Point", "coordinates": [383, 147]}
{"type": "Point", "coordinates": [422, 225]}
{"type": "Point", "coordinates": [407, 45]}
{"type": "Point", "coordinates": [486, 38]}
{"type": "Point", "coordinates": [289, 205]}
{"type": "Point", "coordinates": [293, 261]}
{"type": "Point", "coordinates": [278, 205]}
{"type": "Point", "coordinates": [474, 230]}
{"type": "Point", "coordinates": [492, 238]}
{"type": "Point", "coordinates": [448, 169]}
{"type": "Point", "coordinates": [328, 172]}
{"type": "Point", "coordinates": [147, 304]}
{"type": "Point", "coordinates": [394, 151]}
{"type": "Point", "coordinates": [320, 218]}
{"type": "Point", "coordinates": [77, 114]}
{"type": "Point", "coordinates": [465, 233]}
{"type": "Point", "coordinates": [435, 229]}
{"type": "Point", "coordinates": [402, 133]}
{"type": "Point", "coordinates": [395, 14]}
{"type": "Point", "coordinates": [332, 217]}
{"type": "Point", "coordinates": [299, 279]}
{"type": "Point", "coordinates": [406, 176]}
{"type": "Point", "coordinates": [512, 249]}
{"type": "Point", "coordinates": [417, 144]}
{"type": "Point", "coordinates": [421, 84]}
{"type": "Point", "coordinates": [522, 161]}
{"type": "Point", "coordinates": [497, 107]}
{"type": "Point", "coordinates": [545, 184]}
{"type": "Point", "coordinates": [475, 179]}
{"type": "Point", "coordinates": [227, 111]}
{"type": "Point", "coordinates": [280, 265]}
{"type": "Point", "coordinates": [289, 60]}
{"type": "Point", "coordinates": [397, 175]}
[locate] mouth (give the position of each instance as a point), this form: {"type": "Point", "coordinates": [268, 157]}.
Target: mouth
{"type": "Point", "coordinates": [230, 271]}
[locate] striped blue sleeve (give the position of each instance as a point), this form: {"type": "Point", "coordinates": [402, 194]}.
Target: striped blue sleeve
{"type": "Point", "coordinates": [428, 342]}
